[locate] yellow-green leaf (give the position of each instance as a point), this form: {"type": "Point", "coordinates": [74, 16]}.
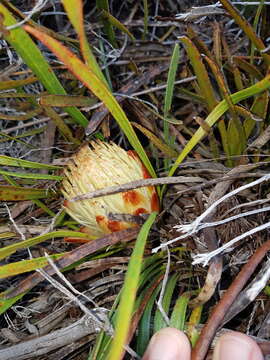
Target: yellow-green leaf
{"type": "Point", "coordinates": [91, 81]}
{"type": "Point", "coordinates": [20, 267]}
{"type": "Point", "coordinates": [128, 295]}
{"type": "Point", "coordinates": [117, 23]}
{"type": "Point", "coordinates": [74, 9]}
{"type": "Point", "coordinates": [218, 111]}
{"type": "Point", "coordinates": [8, 250]}
{"type": "Point", "coordinates": [33, 58]}
{"type": "Point", "coordinates": [14, 193]}
{"type": "Point", "coordinates": [166, 149]}
{"type": "Point", "coordinates": [66, 100]}
{"type": "Point", "coordinates": [10, 161]}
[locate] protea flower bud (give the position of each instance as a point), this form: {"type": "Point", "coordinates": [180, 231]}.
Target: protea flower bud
{"type": "Point", "coordinates": [100, 165]}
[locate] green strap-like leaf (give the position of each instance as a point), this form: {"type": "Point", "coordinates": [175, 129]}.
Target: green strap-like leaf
{"type": "Point", "coordinates": [129, 291]}
{"type": "Point", "coordinates": [92, 82]}
{"type": "Point", "coordinates": [14, 193]}
{"type": "Point", "coordinates": [10, 161]}
{"type": "Point", "coordinates": [218, 111]}
{"type": "Point", "coordinates": [8, 250]}
{"type": "Point", "coordinates": [31, 175]}
{"type": "Point", "coordinates": [33, 58]}
{"type": "Point", "coordinates": [74, 9]}
{"type": "Point", "coordinates": [20, 267]}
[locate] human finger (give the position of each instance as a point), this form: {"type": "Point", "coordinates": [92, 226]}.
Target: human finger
{"type": "Point", "coordinates": [235, 345]}
{"type": "Point", "coordinates": [168, 344]}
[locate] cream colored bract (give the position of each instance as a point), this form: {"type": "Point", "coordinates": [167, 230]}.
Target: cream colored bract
{"type": "Point", "coordinates": [97, 166]}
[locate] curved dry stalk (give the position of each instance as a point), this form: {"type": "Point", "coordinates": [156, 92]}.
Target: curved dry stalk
{"type": "Point", "coordinates": [72, 257]}
{"type": "Point", "coordinates": [218, 314]}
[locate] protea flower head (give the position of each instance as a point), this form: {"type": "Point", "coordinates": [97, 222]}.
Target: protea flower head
{"type": "Point", "coordinates": [99, 165]}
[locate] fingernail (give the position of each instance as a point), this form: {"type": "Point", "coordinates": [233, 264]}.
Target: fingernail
{"type": "Point", "coordinates": [235, 346]}
{"type": "Point", "coordinates": [169, 344]}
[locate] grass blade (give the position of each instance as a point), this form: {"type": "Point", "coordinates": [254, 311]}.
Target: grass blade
{"type": "Point", "coordinates": [144, 329]}
{"type": "Point", "coordinates": [15, 193]}
{"type": "Point", "coordinates": [247, 28]}
{"type": "Point", "coordinates": [92, 82]}
{"type": "Point", "coordinates": [145, 18]}
{"type": "Point", "coordinates": [5, 304]}
{"type": "Point", "coordinates": [61, 125]}
{"type": "Point", "coordinates": [31, 175]}
{"type": "Point", "coordinates": [10, 249]}
{"type": "Point", "coordinates": [33, 58]}
{"type": "Point", "coordinates": [13, 84]}
{"type": "Point", "coordinates": [219, 110]}
{"type": "Point", "coordinates": [159, 321]}
{"type": "Point", "coordinates": [108, 29]}
{"type": "Point", "coordinates": [23, 266]}
{"type": "Point", "coordinates": [66, 100]}
{"type": "Point", "coordinates": [74, 10]}
{"type": "Point", "coordinates": [10, 161]}
{"type": "Point", "coordinates": [105, 14]}
{"type": "Point", "coordinates": [205, 85]}
{"type": "Point", "coordinates": [129, 291]}
{"type": "Point", "coordinates": [195, 319]}
{"type": "Point", "coordinates": [169, 90]}
{"type": "Point", "coordinates": [178, 317]}
{"type": "Point", "coordinates": [233, 145]}
{"type": "Point", "coordinates": [258, 108]}
{"type": "Point", "coordinates": [166, 149]}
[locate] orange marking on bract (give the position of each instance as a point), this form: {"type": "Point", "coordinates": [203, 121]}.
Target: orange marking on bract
{"type": "Point", "coordinates": [154, 202]}
{"type": "Point", "coordinates": [132, 197]}
{"type": "Point", "coordinates": [132, 154]}
{"type": "Point", "coordinates": [145, 172]}
{"type": "Point", "coordinates": [140, 211]}
{"type": "Point", "coordinates": [115, 225]}
{"type": "Point", "coordinates": [66, 203]}
{"type": "Point", "coordinates": [99, 219]}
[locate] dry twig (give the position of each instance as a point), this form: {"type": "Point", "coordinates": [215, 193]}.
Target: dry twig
{"type": "Point", "coordinates": [72, 257]}
{"type": "Point", "coordinates": [220, 310]}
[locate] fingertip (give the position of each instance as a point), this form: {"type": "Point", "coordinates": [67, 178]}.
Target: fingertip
{"type": "Point", "coordinates": [168, 344]}
{"type": "Point", "coordinates": [235, 345]}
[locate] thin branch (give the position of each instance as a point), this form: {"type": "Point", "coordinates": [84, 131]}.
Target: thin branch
{"type": "Point", "coordinates": [234, 217]}
{"type": "Point", "coordinates": [164, 283]}
{"type": "Point", "coordinates": [73, 256]}
{"type": "Point", "coordinates": [14, 224]}
{"type": "Point", "coordinates": [39, 5]}
{"type": "Point", "coordinates": [135, 185]}
{"type": "Point", "coordinates": [200, 11]}
{"type": "Point", "coordinates": [153, 182]}
{"type": "Point", "coordinates": [204, 258]}
{"type": "Point", "coordinates": [192, 228]}
{"type": "Point", "coordinates": [220, 310]}
{"type": "Point", "coordinates": [101, 324]}
{"type": "Point", "coordinates": [249, 293]}
{"type": "Point", "coordinates": [42, 345]}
